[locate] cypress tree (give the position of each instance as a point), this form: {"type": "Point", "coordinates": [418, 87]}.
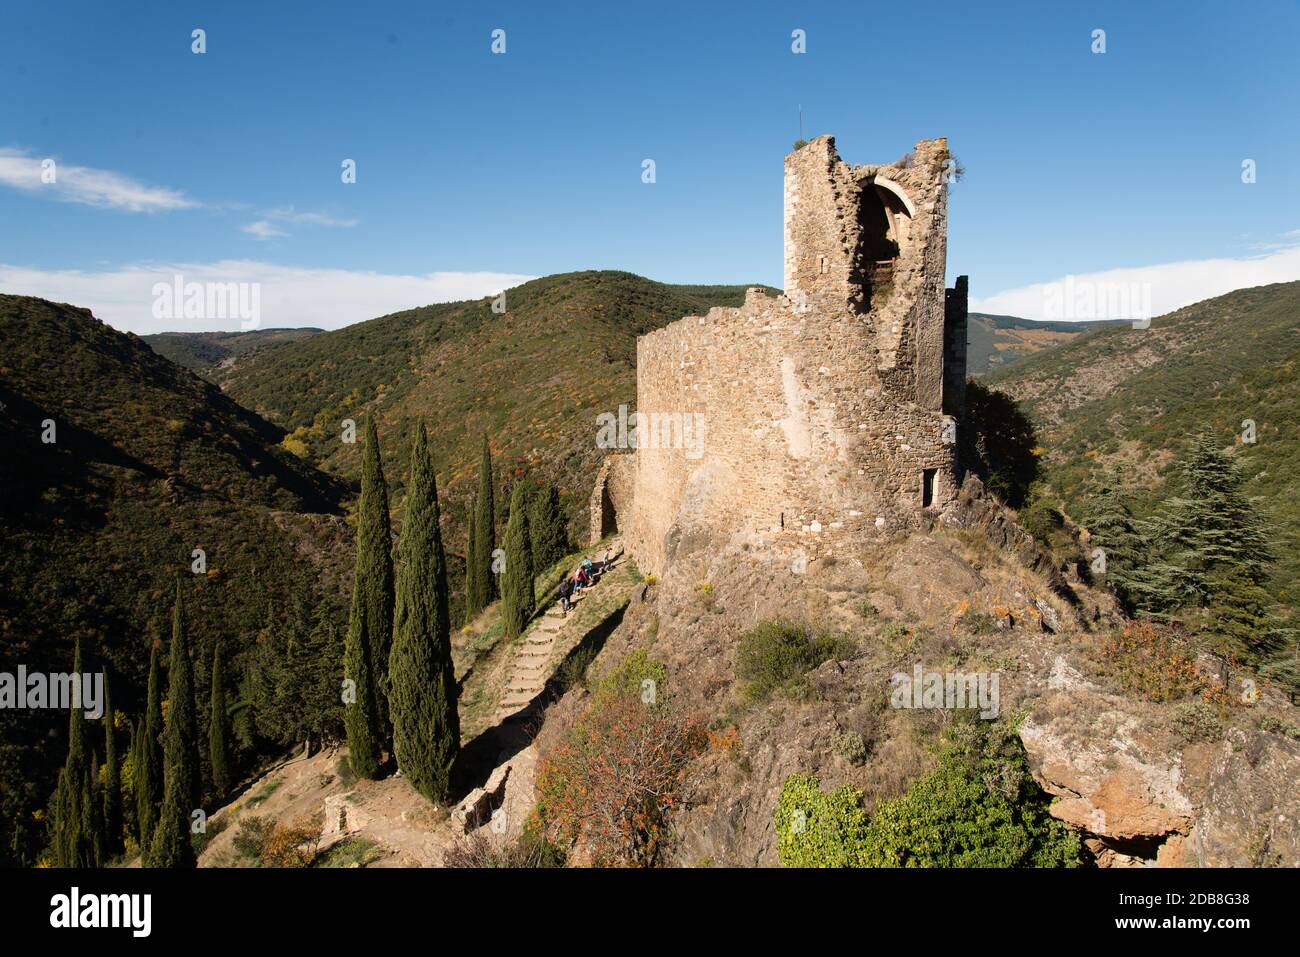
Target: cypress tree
{"type": "Point", "coordinates": [112, 776]}
{"type": "Point", "coordinates": [485, 535]}
{"type": "Point", "coordinates": [137, 763]}
{"type": "Point", "coordinates": [92, 814]}
{"type": "Point", "coordinates": [218, 751]}
{"type": "Point", "coordinates": [170, 844]}
{"type": "Point", "coordinates": [517, 599]}
{"type": "Point", "coordinates": [473, 590]}
{"type": "Point", "coordinates": [546, 526]}
{"type": "Point", "coordinates": [370, 623]}
{"type": "Point", "coordinates": [148, 779]}
{"type": "Point", "coordinates": [426, 727]}
{"type": "Point", "coordinates": [72, 839]}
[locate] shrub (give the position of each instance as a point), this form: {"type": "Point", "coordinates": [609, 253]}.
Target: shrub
{"type": "Point", "coordinates": [630, 677]}
{"type": "Point", "coordinates": [351, 852]}
{"type": "Point", "coordinates": [211, 829]}
{"type": "Point", "coordinates": [978, 808]}
{"type": "Point", "coordinates": [976, 622]}
{"type": "Point", "coordinates": [777, 654]}
{"type": "Point", "coordinates": [609, 790]}
{"type": "Point", "coordinates": [849, 745]}
{"type": "Point", "coordinates": [573, 670]}
{"type": "Point", "coordinates": [268, 844]}
{"type": "Point", "coordinates": [529, 850]}
{"type": "Point", "coordinates": [1149, 663]}
{"type": "Point", "coordinates": [1195, 721]}
{"type": "Point", "coordinates": [815, 829]}
{"type": "Point", "coordinates": [252, 835]}
{"type": "Point", "coordinates": [1272, 724]}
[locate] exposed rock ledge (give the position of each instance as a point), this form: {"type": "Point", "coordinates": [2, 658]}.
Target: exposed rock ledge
{"type": "Point", "coordinates": [1137, 801]}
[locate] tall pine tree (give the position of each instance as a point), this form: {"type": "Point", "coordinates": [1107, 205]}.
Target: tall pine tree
{"type": "Point", "coordinates": [1216, 557]}
{"type": "Point", "coordinates": [137, 763]}
{"type": "Point", "coordinates": [370, 623]}
{"type": "Point", "coordinates": [112, 776]}
{"type": "Point", "coordinates": [426, 727]}
{"type": "Point", "coordinates": [72, 839]}
{"type": "Point", "coordinates": [317, 669]}
{"type": "Point", "coordinates": [148, 773]}
{"type": "Point", "coordinates": [1114, 530]}
{"type": "Point", "coordinates": [473, 590]}
{"type": "Point", "coordinates": [485, 535]}
{"type": "Point", "coordinates": [517, 599]}
{"type": "Point", "coordinates": [170, 844]}
{"type": "Point", "coordinates": [218, 747]}
{"type": "Point", "coordinates": [546, 526]}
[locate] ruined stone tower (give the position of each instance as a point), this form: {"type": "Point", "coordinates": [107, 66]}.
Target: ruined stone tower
{"type": "Point", "coordinates": [805, 421]}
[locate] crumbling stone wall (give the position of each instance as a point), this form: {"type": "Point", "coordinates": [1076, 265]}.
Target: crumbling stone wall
{"type": "Point", "coordinates": [823, 409]}
{"type": "Point", "coordinates": [612, 496]}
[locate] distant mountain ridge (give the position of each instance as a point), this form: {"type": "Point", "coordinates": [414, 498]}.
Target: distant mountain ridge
{"type": "Point", "coordinates": [995, 342]}
{"type": "Point", "coordinates": [201, 350]}
{"type": "Point", "coordinates": [532, 379]}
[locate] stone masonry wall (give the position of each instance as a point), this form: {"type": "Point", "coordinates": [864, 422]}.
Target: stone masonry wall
{"type": "Point", "coordinates": [821, 410]}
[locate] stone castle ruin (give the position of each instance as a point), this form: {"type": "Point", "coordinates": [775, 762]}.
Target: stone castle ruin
{"type": "Point", "coordinates": [804, 421]}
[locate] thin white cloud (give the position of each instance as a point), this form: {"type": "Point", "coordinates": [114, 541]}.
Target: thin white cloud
{"type": "Point", "coordinates": [1165, 287]}
{"type": "Point", "coordinates": [101, 188]}
{"type": "Point", "coordinates": [287, 295]}
{"type": "Point", "coordinates": [264, 230]}
{"type": "Point", "coordinates": [288, 214]}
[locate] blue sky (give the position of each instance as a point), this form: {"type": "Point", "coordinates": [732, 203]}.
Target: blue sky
{"type": "Point", "coordinates": [477, 168]}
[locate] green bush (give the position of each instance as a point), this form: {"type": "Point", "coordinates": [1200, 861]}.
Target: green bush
{"type": "Point", "coordinates": [777, 654]}
{"type": "Point", "coordinates": [849, 745]}
{"type": "Point", "coordinates": [252, 836]}
{"type": "Point", "coordinates": [630, 676]}
{"type": "Point", "coordinates": [815, 829]}
{"type": "Point", "coordinates": [978, 808]}
{"type": "Point", "coordinates": [573, 670]}
{"type": "Point", "coordinates": [1272, 724]}
{"type": "Point", "coordinates": [1196, 721]}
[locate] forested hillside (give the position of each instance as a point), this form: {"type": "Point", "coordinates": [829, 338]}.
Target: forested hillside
{"type": "Point", "coordinates": [119, 465]}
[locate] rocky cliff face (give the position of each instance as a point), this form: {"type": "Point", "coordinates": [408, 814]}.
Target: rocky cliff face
{"type": "Point", "coordinates": [1171, 784]}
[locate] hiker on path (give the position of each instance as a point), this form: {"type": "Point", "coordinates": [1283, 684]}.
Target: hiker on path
{"type": "Point", "coordinates": [566, 589]}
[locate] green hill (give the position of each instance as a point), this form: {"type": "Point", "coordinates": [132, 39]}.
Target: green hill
{"type": "Point", "coordinates": [148, 462]}
{"type": "Point", "coordinates": [1136, 398]}
{"type": "Point", "coordinates": [201, 350]}
{"type": "Point", "coordinates": [533, 379]}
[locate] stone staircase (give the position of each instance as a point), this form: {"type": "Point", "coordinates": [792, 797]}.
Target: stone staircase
{"type": "Point", "coordinates": [532, 666]}
{"type": "Point", "coordinates": [531, 669]}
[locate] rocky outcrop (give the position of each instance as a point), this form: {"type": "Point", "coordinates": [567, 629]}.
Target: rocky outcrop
{"type": "Point", "coordinates": [1138, 799]}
